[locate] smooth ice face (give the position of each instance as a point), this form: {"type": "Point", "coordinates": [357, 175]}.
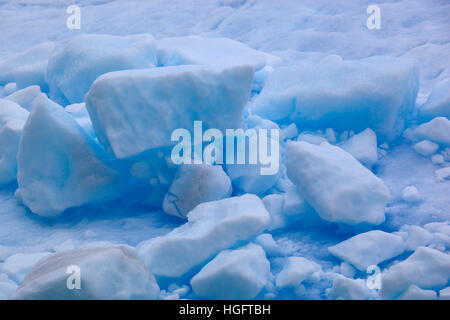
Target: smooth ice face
{"type": "Point", "coordinates": [60, 166]}
{"type": "Point", "coordinates": [211, 51]}
{"type": "Point", "coordinates": [434, 273]}
{"type": "Point", "coordinates": [377, 92]}
{"type": "Point", "coordinates": [438, 103]}
{"type": "Point", "coordinates": [29, 67]}
{"type": "Point", "coordinates": [25, 97]}
{"type": "Point", "coordinates": [105, 273]}
{"type": "Point", "coordinates": [369, 248]}
{"type": "Point", "coordinates": [211, 227]}
{"type": "Point", "coordinates": [436, 130]}
{"type": "Point", "coordinates": [233, 274]}
{"type": "Point", "coordinates": [194, 184]}
{"type": "Point", "coordinates": [12, 120]}
{"type": "Point", "coordinates": [137, 110]}
{"type": "Point", "coordinates": [295, 271]}
{"type": "Point", "coordinates": [362, 146]}
{"type": "Point", "coordinates": [72, 70]}
{"type": "Point", "coordinates": [335, 184]}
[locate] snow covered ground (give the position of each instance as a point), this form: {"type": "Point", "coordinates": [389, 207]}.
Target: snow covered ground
{"type": "Point", "coordinates": [360, 206]}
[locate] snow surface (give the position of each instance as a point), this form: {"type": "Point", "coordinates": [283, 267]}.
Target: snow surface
{"type": "Point", "coordinates": [314, 59]}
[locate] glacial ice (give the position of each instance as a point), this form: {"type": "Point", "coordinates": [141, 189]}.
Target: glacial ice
{"type": "Point", "coordinates": [12, 120]}
{"type": "Point", "coordinates": [25, 97]}
{"type": "Point", "coordinates": [417, 237]}
{"type": "Point", "coordinates": [410, 194]}
{"type": "Point", "coordinates": [438, 103]}
{"type": "Point", "coordinates": [211, 227]}
{"type": "Point", "coordinates": [28, 68]}
{"type": "Point", "coordinates": [233, 274]}
{"type": "Point", "coordinates": [416, 293]}
{"type": "Point", "coordinates": [50, 176]}
{"type": "Point", "coordinates": [19, 264]}
{"type": "Point", "coordinates": [436, 130]}
{"type": "Point", "coordinates": [362, 146]}
{"type": "Point", "coordinates": [347, 289]}
{"type": "Point", "coordinates": [72, 70]}
{"type": "Point", "coordinates": [434, 273]}
{"type": "Point", "coordinates": [295, 271]}
{"type": "Point", "coordinates": [137, 110]}
{"type": "Point", "coordinates": [105, 273]}
{"type": "Point", "coordinates": [426, 148]}
{"type": "Point", "coordinates": [335, 184]}
{"type": "Point", "coordinates": [195, 184]}
{"type": "Point", "coordinates": [369, 248]}
{"type": "Point", "coordinates": [343, 95]}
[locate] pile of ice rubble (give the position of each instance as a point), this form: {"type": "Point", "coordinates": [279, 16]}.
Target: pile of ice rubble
{"type": "Point", "coordinates": [91, 122]}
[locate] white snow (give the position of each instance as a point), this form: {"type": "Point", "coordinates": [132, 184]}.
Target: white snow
{"type": "Point", "coordinates": [362, 146]}
{"type": "Point", "coordinates": [105, 273]}
{"type": "Point", "coordinates": [295, 271]}
{"type": "Point", "coordinates": [137, 110]}
{"type": "Point", "coordinates": [233, 274]}
{"type": "Point", "coordinates": [369, 248]}
{"type": "Point", "coordinates": [347, 289]}
{"type": "Point", "coordinates": [50, 176]}
{"type": "Point", "coordinates": [335, 184]}
{"type": "Point", "coordinates": [211, 227]}
{"type": "Point", "coordinates": [193, 185]}
{"type": "Point", "coordinates": [72, 70]}
{"type": "Point", "coordinates": [426, 268]}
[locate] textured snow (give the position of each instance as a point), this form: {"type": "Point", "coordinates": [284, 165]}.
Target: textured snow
{"type": "Point", "coordinates": [335, 184]}
{"type": "Point", "coordinates": [369, 248]}
{"type": "Point", "coordinates": [137, 110]}
{"type": "Point", "coordinates": [233, 274]}
{"type": "Point", "coordinates": [105, 273]}
{"type": "Point", "coordinates": [211, 227]}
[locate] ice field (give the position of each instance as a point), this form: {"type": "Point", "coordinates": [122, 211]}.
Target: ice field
{"type": "Point", "coordinates": [349, 200]}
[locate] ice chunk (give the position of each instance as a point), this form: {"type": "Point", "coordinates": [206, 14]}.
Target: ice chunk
{"type": "Point", "coordinates": [137, 110]}
{"type": "Point", "coordinates": [9, 89]}
{"type": "Point", "coordinates": [377, 92]}
{"type": "Point", "coordinates": [335, 184]}
{"type": "Point", "coordinates": [233, 274]}
{"type": "Point", "coordinates": [436, 130]}
{"type": "Point", "coordinates": [212, 51]}
{"type": "Point", "coordinates": [105, 273]}
{"type": "Point", "coordinates": [444, 294]}
{"type": "Point", "coordinates": [25, 97]}
{"type": "Point", "coordinates": [411, 194]}
{"type": "Point", "coordinates": [438, 103]}
{"type": "Point", "coordinates": [347, 270]}
{"type": "Point", "coordinates": [416, 293]}
{"type": "Point", "coordinates": [443, 174]}
{"type": "Point", "coordinates": [72, 70]}
{"type": "Point", "coordinates": [362, 146]}
{"type": "Point", "coordinates": [12, 120]}
{"type": "Point", "coordinates": [193, 185]}
{"type": "Point", "coordinates": [426, 268]}
{"type": "Point", "coordinates": [293, 203]}
{"type": "Point", "coordinates": [211, 227]}
{"type": "Point", "coordinates": [7, 287]}
{"type": "Point", "coordinates": [417, 237]}
{"type": "Point", "coordinates": [426, 148]}
{"type": "Point", "coordinates": [295, 271]}
{"type": "Point", "coordinates": [437, 159]}
{"type": "Point", "coordinates": [311, 137]}
{"type": "Point", "coordinates": [274, 205]}
{"type": "Point", "coordinates": [60, 166]}
{"type": "Point", "coordinates": [19, 264]}
{"type": "Point", "coordinates": [269, 245]}
{"type": "Point", "coordinates": [28, 67]}
{"type": "Point", "coordinates": [79, 112]}
{"type": "Point", "coordinates": [347, 289]}
{"type": "Point", "coordinates": [369, 248]}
